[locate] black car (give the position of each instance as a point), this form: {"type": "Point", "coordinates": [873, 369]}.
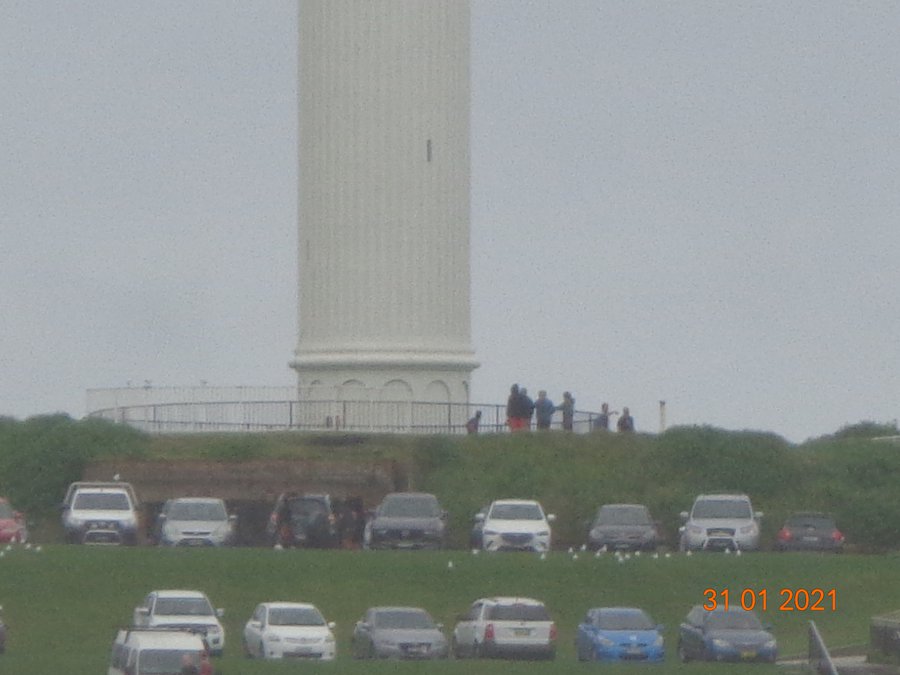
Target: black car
{"type": "Point", "coordinates": [304, 520]}
{"type": "Point", "coordinates": [623, 527]}
{"type": "Point", "coordinates": [809, 531]}
{"type": "Point", "coordinates": [407, 520]}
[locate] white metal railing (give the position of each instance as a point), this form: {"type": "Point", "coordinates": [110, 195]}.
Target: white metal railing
{"type": "Point", "coordinates": [177, 410]}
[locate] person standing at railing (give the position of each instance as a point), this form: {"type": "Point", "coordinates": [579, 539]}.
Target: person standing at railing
{"type": "Point", "coordinates": [543, 410]}
{"type": "Point", "coordinates": [601, 421]}
{"type": "Point", "coordinates": [568, 411]}
{"type": "Point", "coordinates": [527, 406]}
{"type": "Point", "coordinates": [473, 424]}
{"type": "Point", "coordinates": [513, 408]}
{"type": "Point", "coordinates": [626, 422]}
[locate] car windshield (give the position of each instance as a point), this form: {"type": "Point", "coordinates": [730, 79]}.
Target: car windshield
{"type": "Point", "coordinates": [183, 607]}
{"type": "Point", "coordinates": [307, 508]}
{"type": "Point", "coordinates": [622, 515]}
{"type": "Point", "coordinates": [402, 619]}
{"type": "Point", "coordinates": [733, 620]}
{"type": "Point", "coordinates": [165, 661]}
{"type": "Point", "coordinates": [197, 511]}
{"type": "Point", "coordinates": [518, 613]}
{"type": "Point", "coordinates": [295, 616]}
{"type": "Point", "coordinates": [624, 621]}
{"type": "Point", "coordinates": [101, 501]}
{"type": "Point", "coordinates": [6, 511]}
{"type": "Point", "coordinates": [410, 507]}
{"type": "Point", "coordinates": [814, 522]}
{"type": "Point", "coordinates": [516, 512]}
{"type": "Point", "coordinates": [722, 508]}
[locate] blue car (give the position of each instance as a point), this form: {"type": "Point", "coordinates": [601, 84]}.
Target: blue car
{"type": "Point", "coordinates": [720, 635]}
{"type": "Point", "coordinates": [619, 634]}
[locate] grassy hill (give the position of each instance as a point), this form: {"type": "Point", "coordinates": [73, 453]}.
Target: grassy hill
{"type": "Point", "coordinates": [847, 474]}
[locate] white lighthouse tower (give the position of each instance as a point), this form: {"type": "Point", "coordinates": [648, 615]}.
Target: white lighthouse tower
{"type": "Point", "coordinates": [384, 201]}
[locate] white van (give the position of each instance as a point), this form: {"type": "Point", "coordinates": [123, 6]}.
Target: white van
{"type": "Point", "coordinates": [149, 651]}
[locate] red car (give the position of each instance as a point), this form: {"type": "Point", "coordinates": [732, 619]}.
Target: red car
{"type": "Point", "coordinates": [12, 524]}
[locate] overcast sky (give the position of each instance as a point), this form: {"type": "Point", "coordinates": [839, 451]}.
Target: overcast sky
{"type": "Point", "coordinates": [693, 201]}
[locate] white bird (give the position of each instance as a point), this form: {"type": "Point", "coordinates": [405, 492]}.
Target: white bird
{"type": "Point", "coordinates": [38, 549]}
{"type": "Point", "coordinates": [727, 551]}
{"type": "Point", "coordinates": [543, 556]}
{"type": "Point", "coordinates": [668, 555]}
{"type": "Point", "coordinates": [278, 547]}
{"type": "Point", "coordinates": [738, 552]}
{"type": "Point", "coordinates": [475, 551]}
{"type": "Point", "coordinates": [571, 550]}
{"type": "Point", "coordinates": [656, 556]}
{"type": "Point", "coordinates": [689, 553]}
{"type": "Point", "coordinates": [574, 556]}
{"type": "Point", "coordinates": [117, 477]}
{"type": "Point", "coordinates": [449, 564]}
{"type": "Point", "coordinates": [603, 549]}
{"type": "Point", "coordinates": [583, 548]}
{"type": "Point", "coordinates": [597, 554]}
{"type": "Point", "coordinates": [637, 554]}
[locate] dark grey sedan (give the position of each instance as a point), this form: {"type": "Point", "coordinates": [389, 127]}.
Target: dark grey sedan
{"type": "Point", "coordinates": [407, 520]}
{"type": "Point", "coordinates": [398, 633]}
{"type": "Point", "coordinates": [809, 531]}
{"type": "Point", "coordinates": [623, 527]}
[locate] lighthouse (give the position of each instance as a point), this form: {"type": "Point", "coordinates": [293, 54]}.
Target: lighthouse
{"type": "Point", "coordinates": [383, 201]}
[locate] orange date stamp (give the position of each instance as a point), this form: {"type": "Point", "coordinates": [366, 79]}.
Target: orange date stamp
{"type": "Point", "coordinates": [785, 600]}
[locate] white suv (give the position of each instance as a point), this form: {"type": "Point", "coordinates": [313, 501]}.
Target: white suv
{"type": "Point", "coordinates": [138, 651]}
{"type": "Point", "coordinates": [185, 610]}
{"type": "Point", "coordinates": [720, 522]}
{"type": "Point", "coordinates": [100, 513]}
{"type": "Point", "coordinates": [515, 525]}
{"type": "Point", "coordinates": [510, 627]}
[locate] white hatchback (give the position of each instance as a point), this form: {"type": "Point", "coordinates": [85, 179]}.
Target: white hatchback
{"type": "Point", "coordinates": [294, 630]}
{"type": "Point", "coordinates": [515, 525]}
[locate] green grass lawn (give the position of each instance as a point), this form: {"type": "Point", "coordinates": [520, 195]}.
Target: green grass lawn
{"type": "Point", "coordinates": [63, 605]}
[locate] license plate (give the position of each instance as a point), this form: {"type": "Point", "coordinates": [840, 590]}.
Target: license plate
{"type": "Point", "coordinates": [748, 655]}
{"type": "Point", "coordinates": [520, 632]}
{"type": "Point", "coordinates": [810, 539]}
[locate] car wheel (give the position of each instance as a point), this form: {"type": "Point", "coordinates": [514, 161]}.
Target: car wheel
{"type": "Point", "coordinates": [682, 653]}
{"type": "Point", "coordinates": [247, 653]}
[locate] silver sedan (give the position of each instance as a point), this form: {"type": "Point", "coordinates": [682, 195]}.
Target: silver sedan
{"type": "Point", "coordinates": [398, 633]}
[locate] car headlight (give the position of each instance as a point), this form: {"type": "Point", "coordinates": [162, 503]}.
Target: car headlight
{"type": "Point", "coordinates": [719, 643]}
{"type": "Point", "coordinates": [694, 529]}
{"type": "Point", "coordinates": [658, 642]}
{"type": "Point", "coordinates": [329, 639]}
{"type": "Point", "coordinates": [748, 529]}
{"type": "Point", "coordinates": [76, 522]}
{"type": "Point", "coordinates": [605, 641]}
{"type": "Point", "coordinates": [771, 644]}
{"type": "Point", "coordinates": [273, 638]}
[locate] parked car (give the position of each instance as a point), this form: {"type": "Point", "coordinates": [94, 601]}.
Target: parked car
{"type": "Point", "coordinates": [12, 524]}
{"type": "Point", "coordinates": [304, 520]}
{"type": "Point", "coordinates": [407, 520]}
{"type": "Point", "coordinates": [280, 630]}
{"type": "Point", "coordinates": [627, 527]}
{"type": "Point", "coordinates": [100, 513]}
{"type": "Point", "coordinates": [619, 634]}
{"type": "Point", "coordinates": [399, 633]}
{"type": "Point", "coordinates": [809, 531]}
{"type": "Point", "coordinates": [150, 651]}
{"type": "Point", "coordinates": [720, 635]}
{"type": "Point", "coordinates": [719, 522]}
{"type": "Point", "coordinates": [186, 610]}
{"type": "Point", "coordinates": [505, 627]}
{"type": "Point", "coordinates": [196, 521]}
{"type": "Point", "coordinates": [516, 525]}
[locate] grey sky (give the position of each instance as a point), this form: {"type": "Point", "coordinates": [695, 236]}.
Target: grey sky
{"type": "Point", "coordinates": [697, 202]}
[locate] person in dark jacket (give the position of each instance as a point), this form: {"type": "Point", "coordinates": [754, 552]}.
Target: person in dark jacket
{"type": "Point", "coordinates": [626, 422]}
{"type": "Point", "coordinates": [543, 410]}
